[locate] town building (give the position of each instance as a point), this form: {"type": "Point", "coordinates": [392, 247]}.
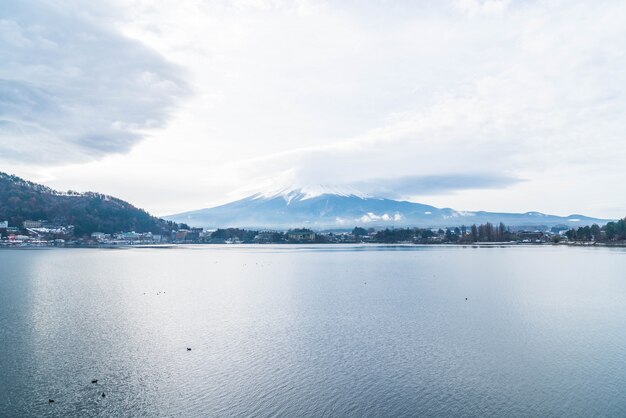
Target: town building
{"type": "Point", "coordinates": [32, 224]}
{"type": "Point", "coordinates": [99, 236]}
{"type": "Point", "coordinates": [180, 235]}
{"type": "Point", "coordinates": [531, 236]}
{"type": "Point", "coordinates": [193, 235]}
{"type": "Point", "coordinates": [301, 235]}
{"type": "Point", "coordinates": [265, 237]}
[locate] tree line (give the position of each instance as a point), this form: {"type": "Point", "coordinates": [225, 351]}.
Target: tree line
{"type": "Point", "coordinates": [611, 232]}
{"type": "Point", "coordinates": [464, 234]}
{"type": "Point", "coordinates": [475, 233]}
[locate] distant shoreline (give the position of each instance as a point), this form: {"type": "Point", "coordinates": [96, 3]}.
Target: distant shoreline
{"type": "Point", "coordinates": [363, 244]}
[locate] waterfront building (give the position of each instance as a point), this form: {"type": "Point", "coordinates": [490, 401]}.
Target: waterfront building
{"type": "Point", "coordinates": [301, 235]}
{"type": "Point", "coordinates": [32, 224]}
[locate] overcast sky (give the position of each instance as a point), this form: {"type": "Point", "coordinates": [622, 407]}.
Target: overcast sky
{"type": "Point", "coordinates": [476, 105]}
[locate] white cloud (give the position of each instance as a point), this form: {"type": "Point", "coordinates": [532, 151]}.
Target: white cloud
{"type": "Point", "coordinates": [372, 217]}
{"type": "Point", "coordinates": [494, 105]}
{"type": "Point", "coordinates": [473, 8]}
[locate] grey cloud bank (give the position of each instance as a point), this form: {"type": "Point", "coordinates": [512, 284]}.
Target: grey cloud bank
{"type": "Point", "coordinates": [73, 89]}
{"type": "Point", "coordinates": [405, 187]}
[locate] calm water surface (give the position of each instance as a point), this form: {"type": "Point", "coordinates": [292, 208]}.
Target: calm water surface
{"type": "Point", "coordinates": [313, 331]}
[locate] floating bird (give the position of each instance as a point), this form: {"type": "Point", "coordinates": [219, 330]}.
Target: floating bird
{"type": "Point", "coordinates": [465, 298]}
{"type": "Point", "coordinates": [50, 400]}
{"type": "Point", "coordinates": [103, 395]}
{"type": "Point", "coordinates": [188, 349]}
{"type": "Point", "coordinates": [94, 381]}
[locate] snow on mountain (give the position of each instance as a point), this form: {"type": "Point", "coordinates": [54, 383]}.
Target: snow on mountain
{"type": "Point", "coordinates": [299, 193]}
{"type": "Point", "coordinates": [328, 207]}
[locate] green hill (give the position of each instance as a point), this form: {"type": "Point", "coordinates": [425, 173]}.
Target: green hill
{"type": "Point", "coordinates": [89, 212]}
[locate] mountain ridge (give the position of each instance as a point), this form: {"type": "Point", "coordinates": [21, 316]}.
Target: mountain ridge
{"type": "Point", "coordinates": [88, 212]}
{"type": "Point", "coordinates": [288, 208]}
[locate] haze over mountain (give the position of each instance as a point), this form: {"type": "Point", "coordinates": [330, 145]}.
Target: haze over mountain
{"type": "Point", "coordinates": [335, 208]}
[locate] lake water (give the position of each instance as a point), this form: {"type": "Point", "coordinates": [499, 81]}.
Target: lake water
{"type": "Point", "coordinates": [313, 331]}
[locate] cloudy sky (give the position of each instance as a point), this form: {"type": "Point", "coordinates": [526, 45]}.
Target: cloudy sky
{"type": "Point", "coordinates": [472, 104]}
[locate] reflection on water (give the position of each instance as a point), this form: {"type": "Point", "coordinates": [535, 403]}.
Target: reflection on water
{"type": "Point", "coordinates": [313, 331]}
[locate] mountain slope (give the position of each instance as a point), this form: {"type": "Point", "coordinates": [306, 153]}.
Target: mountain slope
{"type": "Point", "coordinates": [22, 200]}
{"type": "Point", "coordinates": [326, 210]}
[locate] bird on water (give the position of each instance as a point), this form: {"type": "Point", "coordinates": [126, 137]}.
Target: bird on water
{"type": "Point", "coordinates": [94, 381]}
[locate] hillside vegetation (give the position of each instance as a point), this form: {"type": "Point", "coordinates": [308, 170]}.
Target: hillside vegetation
{"type": "Point", "coordinates": [89, 212]}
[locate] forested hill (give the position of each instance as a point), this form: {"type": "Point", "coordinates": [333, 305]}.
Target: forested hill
{"type": "Point", "coordinates": [22, 200]}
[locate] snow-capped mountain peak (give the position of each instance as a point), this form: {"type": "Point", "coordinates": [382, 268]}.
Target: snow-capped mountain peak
{"type": "Point", "coordinates": [299, 193]}
{"type": "Point", "coordinates": [327, 207]}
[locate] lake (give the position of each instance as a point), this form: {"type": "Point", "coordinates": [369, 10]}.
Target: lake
{"type": "Point", "coordinates": [313, 331]}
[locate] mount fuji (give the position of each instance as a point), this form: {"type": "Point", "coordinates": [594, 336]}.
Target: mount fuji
{"type": "Point", "coordinates": [340, 208]}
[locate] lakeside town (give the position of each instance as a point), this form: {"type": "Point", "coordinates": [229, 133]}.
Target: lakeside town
{"type": "Point", "coordinates": [34, 215]}
{"type": "Point", "coordinates": [43, 233]}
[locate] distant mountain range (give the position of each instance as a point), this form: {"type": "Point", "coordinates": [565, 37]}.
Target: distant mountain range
{"type": "Point", "coordinates": [319, 208]}
{"type": "Point", "coordinates": [328, 208]}
{"type": "Point", "coordinates": [22, 200]}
